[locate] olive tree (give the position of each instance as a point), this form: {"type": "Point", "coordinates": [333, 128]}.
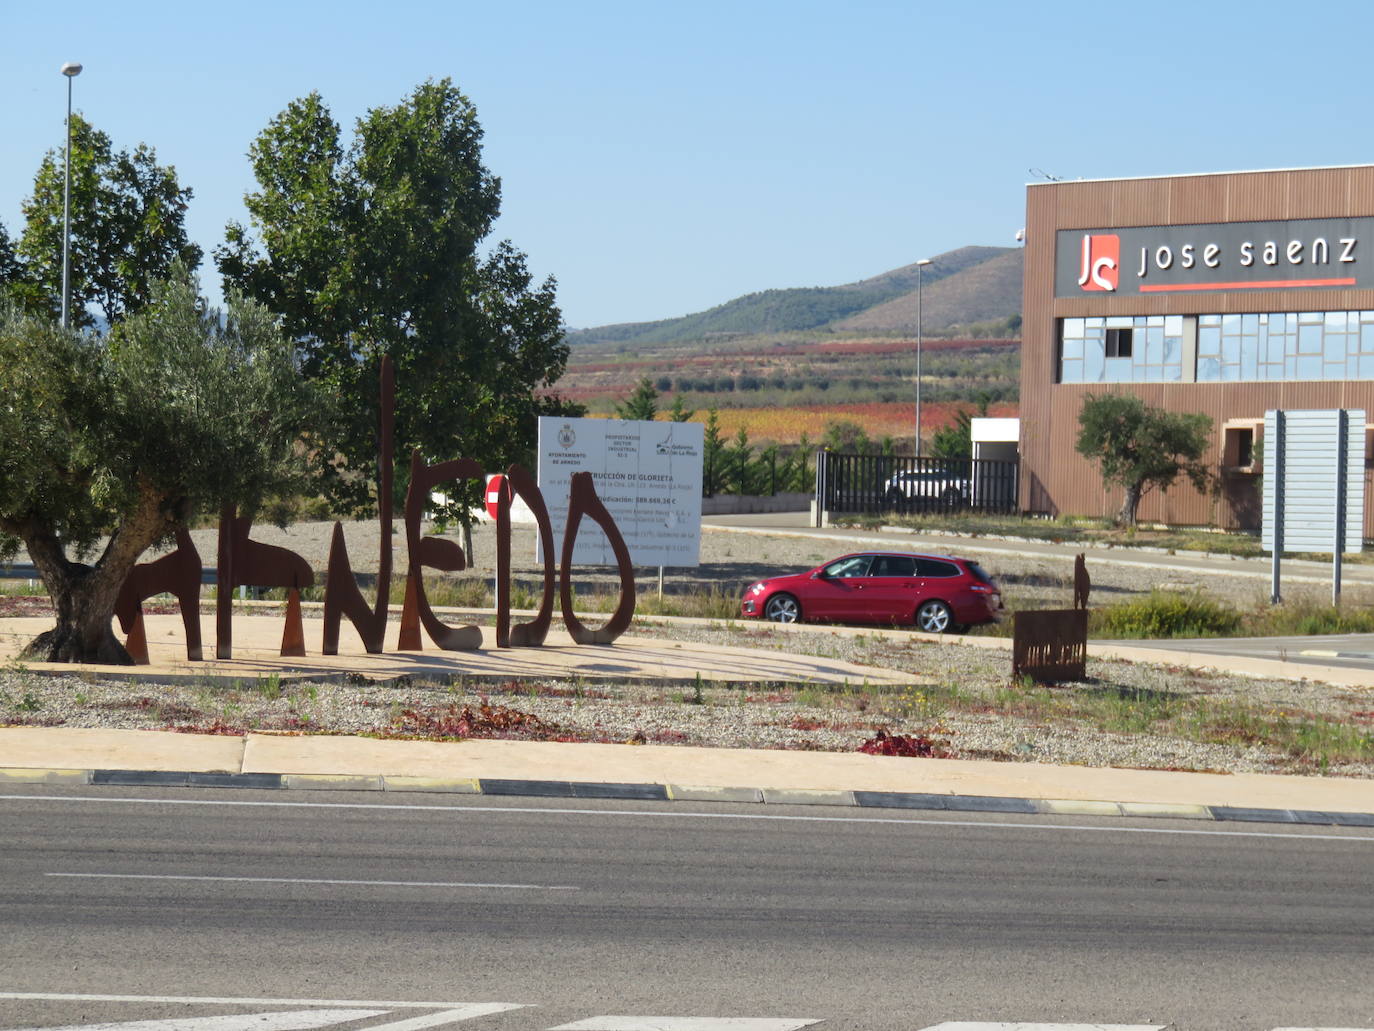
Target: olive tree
{"type": "Point", "coordinates": [1139, 447]}
{"type": "Point", "coordinates": [114, 442]}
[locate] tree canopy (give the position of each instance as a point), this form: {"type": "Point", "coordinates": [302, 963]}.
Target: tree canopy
{"type": "Point", "coordinates": [373, 250]}
{"type": "Point", "coordinates": [1140, 447]}
{"type": "Point", "coordinates": [127, 231]}
{"type": "Point", "coordinates": [120, 439]}
{"type": "Point", "coordinates": [641, 404]}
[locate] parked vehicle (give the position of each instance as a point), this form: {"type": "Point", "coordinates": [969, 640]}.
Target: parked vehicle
{"type": "Point", "coordinates": [934, 593]}
{"type": "Point", "coordinates": [912, 489]}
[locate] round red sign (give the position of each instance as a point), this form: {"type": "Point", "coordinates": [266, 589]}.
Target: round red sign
{"type": "Point", "coordinates": [494, 486]}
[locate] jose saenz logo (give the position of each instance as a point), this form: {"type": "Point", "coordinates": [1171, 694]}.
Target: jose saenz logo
{"type": "Point", "coordinates": [566, 437]}
{"type": "Point", "coordinates": [1101, 265]}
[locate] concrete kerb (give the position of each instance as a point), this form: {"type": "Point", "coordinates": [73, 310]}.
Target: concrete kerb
{"type": "Point", "coordinates": [572, 790]}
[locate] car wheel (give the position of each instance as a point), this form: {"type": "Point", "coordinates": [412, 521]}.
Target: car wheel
{"type": "Point", "coordinates": [934, 617]}
{"type": "Point", "coordinates": [782, 608]}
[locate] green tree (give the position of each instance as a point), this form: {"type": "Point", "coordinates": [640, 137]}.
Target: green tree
{"type": "Point", "coordinates": [680, 412]}
{"type": "Point", "coordinates": [1139, 447]}
{"type": "Point", "coordinates": [373, 250]}
{"type": "Point", "coordinates": [847, 436]}
{"type": "Point", "coordinates": [735, 461]}
{"type": "Point", "coordinates": [956, 439]}
{"type": "Point", "coordinates": [641, 404]}
{"type": "Point", "coordinates": [127, 215]}
{"type": "Point", "coordinates": [121, 439]}
{"type": "Point", "coordinates": [712, 452]}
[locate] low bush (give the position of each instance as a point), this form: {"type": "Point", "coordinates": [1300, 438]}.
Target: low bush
{"type": "Point", "coordinates": [1166, 614]}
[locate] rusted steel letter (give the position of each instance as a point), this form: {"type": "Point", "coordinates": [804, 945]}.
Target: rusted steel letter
{"type": "Point", "coordinates": [523, 635]}
{"type": "Point", "coordinates": [253, 564]}
{"type": "Point", "coordinates": [176, 573]}
{"type": "Point", "coordinates": [341, 594]}
{"type": "Point", "coordinates": [435, 553]}
{"type": "Point", "coordinates": [582, 500]}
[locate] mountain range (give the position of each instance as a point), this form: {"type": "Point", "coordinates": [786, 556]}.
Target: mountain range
{"type": "Point", "coordinates": [963, 291]}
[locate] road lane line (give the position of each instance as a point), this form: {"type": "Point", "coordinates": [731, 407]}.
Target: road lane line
{"type": "Point", "coordinates": [312, 880]}
{"type": "Point", "coordinates": [688, 1024]}
{"type": "Point", "coordinates": [475, 1009]}
{"type": "Point", "coordinates": [300, 1020]}
{"type": "Point", "coordinates": [1292, 835]}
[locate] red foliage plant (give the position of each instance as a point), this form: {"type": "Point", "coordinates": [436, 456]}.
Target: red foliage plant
{"type": "Point", "coordinates": [906, 746]}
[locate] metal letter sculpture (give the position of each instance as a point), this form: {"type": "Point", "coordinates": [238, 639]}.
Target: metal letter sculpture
{"type": "Point", "coordinates": [341, 594]}
{"type": "Point", "coordinates": [245, 562]}
{"type": "Point", "coordinates": [176, 573]}
{"type": "Point", "coordinates": [435, 553]}
{"type": "Point", "coordinates": [582, 500]}
{"type": "Point", "coordinates": [249, 563]}
{"type": "Point", "coordinates": [520, 483]}
{"type": "Point", "coordinates": [1052, 644]}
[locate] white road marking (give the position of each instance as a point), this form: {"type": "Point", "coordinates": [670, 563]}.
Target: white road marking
{"type": "Point", "coordinates": [312, 880]}
{"type": "Point", "coordinates": [992, 1026]}
{"type": "Point", "coordinates": [688, 1024]}
{"type": "Point", "coordinates": [465, 1009]}
{"type": "Point", "coordinates": [1294, 835]}
{"type": "Point", "coordinates": [296, 1021]}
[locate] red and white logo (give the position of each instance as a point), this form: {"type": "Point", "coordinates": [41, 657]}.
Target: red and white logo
{"type": "Point", "coordinates": [1101, 265]}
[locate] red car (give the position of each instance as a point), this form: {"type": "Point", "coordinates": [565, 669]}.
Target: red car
{"type": "Point", "coordinates": [936, 593]}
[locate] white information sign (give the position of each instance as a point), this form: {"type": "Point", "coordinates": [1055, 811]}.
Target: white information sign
{"type": "Point", "coordinates": [647, 474]}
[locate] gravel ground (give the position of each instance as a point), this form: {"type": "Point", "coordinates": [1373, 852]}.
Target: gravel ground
{"type": "Point", "coordinates": [1126, 715]}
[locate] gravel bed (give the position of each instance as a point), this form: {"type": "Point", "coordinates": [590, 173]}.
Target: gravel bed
{"type": "Point", "coordinates": [973, 710]}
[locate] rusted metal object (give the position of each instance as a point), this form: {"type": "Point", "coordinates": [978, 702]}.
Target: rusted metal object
{"type": "Point", "coordinates": [176, 573]}
{"type": "Point", "coordinates": [583, 501]}
{"type": "Point", "coordinates": [1050, 645]}
{"type": "Point", "coordinates": [432, 553]}
{"type": "Point", "coordinates": [1082, 583]}
{"type": "Point", "coordinates": [342, 596]}
{"type": "Point", "coordinates": [519, 483]}
{"type": "Point", "coordinates": [248, 563]}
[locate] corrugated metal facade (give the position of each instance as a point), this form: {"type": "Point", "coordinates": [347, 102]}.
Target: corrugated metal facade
{"type": "Point", "coordinates": [1056, 479]}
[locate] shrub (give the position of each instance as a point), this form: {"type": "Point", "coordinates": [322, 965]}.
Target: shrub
{"type": "Point", "coordinates": [1166, 614]}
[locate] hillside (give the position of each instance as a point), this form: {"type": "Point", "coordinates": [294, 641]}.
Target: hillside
{"type": "Point", "coordinates": [961, 288]}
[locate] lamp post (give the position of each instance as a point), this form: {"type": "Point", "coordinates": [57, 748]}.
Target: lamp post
{"type": "Point", "coordinates": [71, 70]}
{"type": "Point", "coordinates": [921, 264]}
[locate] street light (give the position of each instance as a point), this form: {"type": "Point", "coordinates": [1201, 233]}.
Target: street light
{"type": "Point", "coordinates": [71, 70]}
{"type": "Point", "coordinates": [922, 263]}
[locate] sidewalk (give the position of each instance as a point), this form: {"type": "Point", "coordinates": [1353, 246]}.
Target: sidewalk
{"type": "Point", "coordinates": [59, 756]}
{"type": "Point", "coordinates": [64, 756]}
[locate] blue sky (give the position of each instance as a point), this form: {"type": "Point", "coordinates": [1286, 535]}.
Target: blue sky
{"type": "Point", "coordinates": [659, 159]}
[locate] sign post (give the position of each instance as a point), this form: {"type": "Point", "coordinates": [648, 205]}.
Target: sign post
{"type": "Point", "coordinates": [1313, 486]}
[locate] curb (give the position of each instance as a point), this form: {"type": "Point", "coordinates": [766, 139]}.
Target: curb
{"type": "Point", "coordinates": [684, 793]}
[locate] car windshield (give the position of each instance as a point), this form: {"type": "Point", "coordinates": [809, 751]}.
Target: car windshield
{"type": "Point", "coordinates": [855, 565]}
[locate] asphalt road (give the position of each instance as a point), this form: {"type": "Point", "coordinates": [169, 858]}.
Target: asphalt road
{"type": "Point", "coordinates": [861, 922]}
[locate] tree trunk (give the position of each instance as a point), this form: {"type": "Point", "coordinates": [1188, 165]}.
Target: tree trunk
{"type": "Point", "coordinates": [85, 595]}
{"type": "Point", "coordinates": [1129, 506]}
{"type": "Point", "coordinates": [84, 633]}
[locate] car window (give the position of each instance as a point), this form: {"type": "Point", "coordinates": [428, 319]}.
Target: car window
{"type": "Point", "coordinates": [934, 567]}
{"type": "Point", "coordinates": [855, 565]}
{"type": "Point", "coordinates": [979, 573]}
{"type": "Point", "coordinates": [893, 565]}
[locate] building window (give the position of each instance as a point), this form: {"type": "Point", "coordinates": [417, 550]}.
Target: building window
{"type": "Point", "coordinates": [1240, 448]}
{"type": "Point", "coordinates": [1310, 345]}
{"type": "Point", "coordinates": [1121, 349]}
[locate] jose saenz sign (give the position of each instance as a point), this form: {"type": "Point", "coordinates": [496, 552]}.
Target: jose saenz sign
{"type": "Point", "coordinates": [647, 474]}
{"type": "Point", "coordinates": [1301, 254]}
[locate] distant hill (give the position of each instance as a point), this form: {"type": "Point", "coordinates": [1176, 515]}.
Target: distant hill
{"type": "Point", "coordinates": [960, 288]}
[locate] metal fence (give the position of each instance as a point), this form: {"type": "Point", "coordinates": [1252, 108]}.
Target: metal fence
{"type": "Point", "coordinates": [883, 483]}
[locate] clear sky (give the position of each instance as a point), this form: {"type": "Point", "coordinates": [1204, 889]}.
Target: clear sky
{"type": "Point", "coordinates": [662, 158]}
